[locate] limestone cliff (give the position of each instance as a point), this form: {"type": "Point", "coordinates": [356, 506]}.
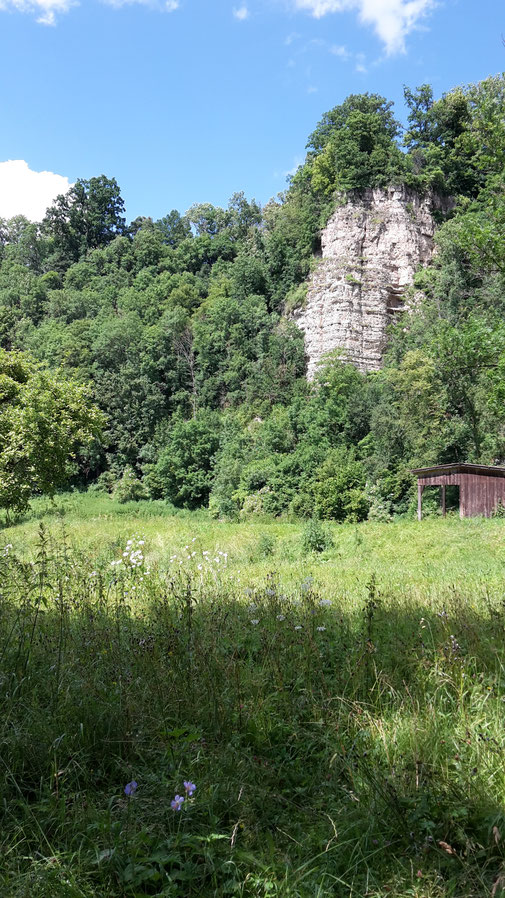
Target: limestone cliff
{"type": "Point", "coordinates": [371, 248]}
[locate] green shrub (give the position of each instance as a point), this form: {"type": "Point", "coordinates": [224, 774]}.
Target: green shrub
{"type": "Point", "coordinates": [185, 467]}
{"type": "Point", "coordinates": [379, 506]}
{"type": "Point", "coordinates": [296, 298]}
{"type": "Point", "coordinates": [129, 488]}
{"type": "Point", "coordinates": [315, 537]}
{"type": "Point", "coordinates": [253, 504]}
{"type": "Point", "coordinates": [106, 483]}
{"type": "Point", "coordinates": [499, 511]}
{"type": "Point", "coordinates": [339, 488]}
{"type": "Point", "coordinates": [302, 504]}
{"type": "Point", "coordinates": [266, 545]}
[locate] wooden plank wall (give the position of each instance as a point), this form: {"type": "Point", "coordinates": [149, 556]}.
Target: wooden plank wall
{"type": "Point", "coordinates": [480, 495]}
{"type": "Point", "coordinates": [440, 480]}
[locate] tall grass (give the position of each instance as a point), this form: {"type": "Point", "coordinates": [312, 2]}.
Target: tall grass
{"type": "Point", "coordinates": [342, 743]}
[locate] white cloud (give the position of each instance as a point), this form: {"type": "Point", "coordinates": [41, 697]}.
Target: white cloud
{"type": "Point", "coordinates": [392, 20]}
{"type": "Point", "coordinates": [360, 63]}
{"type": "Point", "coordinates": [27, 192]}
{"type": "Point", "coordinates": [167, 6]}
{"type": "Point", "coordinates": [241, 13]}
{"type": "Point", "coordinates": [46, 11]}
{"type": "Point", "coordinates": [340, 51]}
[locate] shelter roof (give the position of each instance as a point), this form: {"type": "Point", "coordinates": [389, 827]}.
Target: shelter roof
{"type": "Point", "coordinates": [460, 468]}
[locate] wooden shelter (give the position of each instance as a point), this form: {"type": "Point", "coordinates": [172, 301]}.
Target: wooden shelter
{"type": "Point", "coordinates": [481, 487]}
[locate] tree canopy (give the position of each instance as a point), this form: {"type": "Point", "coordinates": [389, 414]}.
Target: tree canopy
{"type": "Point", "coordinates": [180, 330]}
{"type": "Point", "coordinates": [45, 421]}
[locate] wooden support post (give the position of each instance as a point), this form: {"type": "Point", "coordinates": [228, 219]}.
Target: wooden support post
{"type": "Point", "coordinates": [443, 500]}
{"type": "Point", "coordinates": [420, 489]}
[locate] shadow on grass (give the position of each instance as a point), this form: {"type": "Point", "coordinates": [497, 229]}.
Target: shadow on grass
{"type": "Point", "coordinates": [331, 749]}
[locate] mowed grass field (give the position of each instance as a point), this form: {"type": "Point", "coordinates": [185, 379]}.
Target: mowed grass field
{"type": "Point", "coordinates": [334, 720]}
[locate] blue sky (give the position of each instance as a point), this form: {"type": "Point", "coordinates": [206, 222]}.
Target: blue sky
{"type": "Point", "coordinates": [187, 101]}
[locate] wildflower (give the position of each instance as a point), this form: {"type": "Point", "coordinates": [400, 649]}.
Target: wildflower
{"type": "Point", "coordinates": [325, 603]}
{"type": "Point", "coordinates": [298, 627]}
{"type": "Point", "coordinates": [130, 788]}
{"type": "Point", "coordinates": [281, 617]}
{"type": "Point", "coordinates": [255, 621]}
{"type": "Point", "coordinates": [177, 802]}
{"type": "Point", "coordinates": [189, 787]}
{"type": "Point", "coordinates": [321, 629]}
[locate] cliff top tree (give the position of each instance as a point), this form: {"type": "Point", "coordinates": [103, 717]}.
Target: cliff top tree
{"type": "Point", "coordinates": [356, 145]}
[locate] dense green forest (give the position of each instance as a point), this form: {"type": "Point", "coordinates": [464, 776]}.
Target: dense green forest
{"type": "Point", "coordinates": [186, 373]}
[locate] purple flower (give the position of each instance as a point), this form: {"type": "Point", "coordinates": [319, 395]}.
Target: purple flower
{"type": "Point", "coordinates": [177, 803]}
{"type": "Point", "coordinates": [130, 788]}
{"type": "Point", "coordinates": [189, 787]}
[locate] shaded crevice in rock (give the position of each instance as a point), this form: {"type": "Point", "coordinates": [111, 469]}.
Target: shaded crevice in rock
{"type": "Point", "coordinates": [371, 249]}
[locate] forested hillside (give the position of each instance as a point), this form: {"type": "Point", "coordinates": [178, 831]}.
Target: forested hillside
{"type": "Point", "coordinates": [181, 327]}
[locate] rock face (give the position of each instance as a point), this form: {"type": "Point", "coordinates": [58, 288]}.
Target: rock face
{"type": "Point", "coordinates": [371, 249]}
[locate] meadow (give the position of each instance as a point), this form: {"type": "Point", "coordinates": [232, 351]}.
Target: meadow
{"type": "Point", "coordinates": [198, 708]}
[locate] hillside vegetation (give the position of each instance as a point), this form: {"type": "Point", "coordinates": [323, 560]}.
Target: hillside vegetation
{"type": "Point", "coordinates": [177, 329]}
